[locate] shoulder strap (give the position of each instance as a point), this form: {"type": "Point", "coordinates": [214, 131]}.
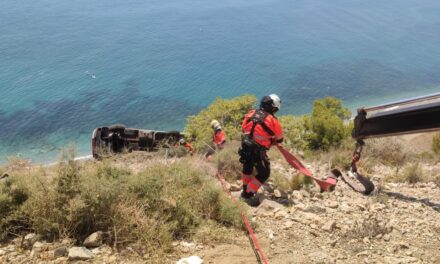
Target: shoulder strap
{"type": "Point", "coordinates": [258, 118]}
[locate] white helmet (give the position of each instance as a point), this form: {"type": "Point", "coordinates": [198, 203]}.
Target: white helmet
{"type": "Point", "coordinates": [271, 103]}
{"type": "Point", "coordinates": [215, 124]}
{"type": "Point", "coordinates": [276, 101]}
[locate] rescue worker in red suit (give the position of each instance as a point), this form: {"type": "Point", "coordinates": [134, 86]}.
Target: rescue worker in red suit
{"type": "Point", "coordinates": [218, 138]}
{"type": "Point", "coordinates": [261, 129]}
{"type": "Point", "coordinates": [182, 142]}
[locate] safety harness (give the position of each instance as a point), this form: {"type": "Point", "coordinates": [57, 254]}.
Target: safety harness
{"type": "Point", "coordinates": [258, 119]}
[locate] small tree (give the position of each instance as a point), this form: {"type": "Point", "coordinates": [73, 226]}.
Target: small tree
{"type": "Point", "coordinates": [294, 131]}
{"type": "Point", "coordinates": [326, 124]}
{"type": "Point", "coordinates": [229, 112]}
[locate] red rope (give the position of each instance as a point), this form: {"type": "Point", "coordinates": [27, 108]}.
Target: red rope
{"type": "Point", "coordinates": [260, 255]}
{"type": "Point", "coordinates": [325, 185]}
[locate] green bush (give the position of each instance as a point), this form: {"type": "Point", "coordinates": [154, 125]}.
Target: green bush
{"type": "Point", "coordinates": [324, 128]}
{"type": "Point", "coordinates": [12, 196]}
{"type": "Point", "coordinates": [147, 209]}
{"type": "Point", "coordinates": [340, 160]}
{"type": "Point", "coordinates": [228, 163]}
{"type": "Point", "coordinates": [68, 174]}
{"type": "Point", "coordinates": [326, 124]}
{"type": "Point", "coordinates": [436, 144]}
{"type": "Point", "coordinates": [229, 112]}
{"type": "Point", "coordinates": [294, 130]}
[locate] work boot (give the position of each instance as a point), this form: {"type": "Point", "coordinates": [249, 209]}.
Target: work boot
{"type": "Point", "coordinates": [253, 201]}
{"type": "Point", "coordinates": [250, 198]}
{"type": "Point", "coordinates": [246, 195]}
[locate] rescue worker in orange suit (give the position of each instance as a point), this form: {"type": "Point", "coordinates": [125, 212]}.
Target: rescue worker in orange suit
{"type": "Point", "coordinates": [261, 129]}
{"type": "Point", "coordinates": [186, 145]}
{"type": "Point", "coordinates": [218, 139]}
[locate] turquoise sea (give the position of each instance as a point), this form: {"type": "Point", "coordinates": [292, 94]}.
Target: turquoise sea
{"type": "Point", "coordinates": [69, 66]}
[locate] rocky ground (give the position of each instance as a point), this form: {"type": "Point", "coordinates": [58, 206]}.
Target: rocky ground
{"type": "Point", "coordinates": [398, 224]}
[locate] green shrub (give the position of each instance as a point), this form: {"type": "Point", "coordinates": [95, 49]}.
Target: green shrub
{"type": "Point", "coordinates": [326, 124]}
{"type": "Point", "coordinates": [324, 128]}
{"type": "Point", "coordinates": [280, 181]}
{"type": "Point", "coordinates": [436, 144]}
{"type": "Point", "coordinates": [227, 161]}
{"type": "Point", "coordinates": [340, 160]}
{"type": "Point", "coordinates": [68, 177]}
{"type": "Point", "coordinates": [148, 209]}
{"type": "Point", "coordinates": [294, 129]}
{"type": "Point", "coordinates": [106, 171]}
{"type": "Point", "coordinates": [12, 195]}
{"type": "Point", "coordinates": [229, 112]}
{"type": "Point", "coordinates": [229, 214]}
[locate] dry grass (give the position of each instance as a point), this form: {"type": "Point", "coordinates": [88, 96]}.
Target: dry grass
{"type": "Point", "coordinates": [17, 163]}
{"type": "Point", "coordinates": [288, 183]}
{"type": "Point", "coordinates": [411, 173]}
{"type": "Point", "coordinates": [146, 209]}
{"type": "Point", "coordinates": [436, 144]}
{"type": "Point", "coordinates": [389, 151]}
{"type": "Point", "coordinates": [227, 161]}
{"type": "Point", "coordinates": [370, 228]}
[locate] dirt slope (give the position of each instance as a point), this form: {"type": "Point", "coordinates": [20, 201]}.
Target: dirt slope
{"type": "Point", "coordinates": [400, 225]}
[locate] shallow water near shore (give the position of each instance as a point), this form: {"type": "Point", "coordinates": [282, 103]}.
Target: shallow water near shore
{"type": "Point", "coordinates": [67, 67]}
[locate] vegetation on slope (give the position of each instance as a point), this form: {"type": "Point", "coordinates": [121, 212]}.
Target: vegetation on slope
{"type": "Point", "coordinates": [167, 201]}
{"type": "Point", "coordinates": [150, 208]}
{"type": "Point", "coordinates": [229, 112]}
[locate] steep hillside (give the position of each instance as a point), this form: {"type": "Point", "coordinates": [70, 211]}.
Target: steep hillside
{"type": "Point", "coordinates": [397, 224]}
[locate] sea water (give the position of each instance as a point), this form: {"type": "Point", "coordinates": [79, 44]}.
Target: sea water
{"type": "Point", "coordinates": [67, 67]}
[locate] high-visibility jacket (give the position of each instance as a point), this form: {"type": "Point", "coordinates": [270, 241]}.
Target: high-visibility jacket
{"type": "Point", "coordinates": [187, 146]}
{"type": "Point", "coordinates": [219, 138]}
{"type": "Point", "coordinates": [262, 135]}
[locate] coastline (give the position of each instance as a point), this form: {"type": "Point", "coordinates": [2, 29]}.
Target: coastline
{"type": "Point", "coordinates": [84, 149]}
